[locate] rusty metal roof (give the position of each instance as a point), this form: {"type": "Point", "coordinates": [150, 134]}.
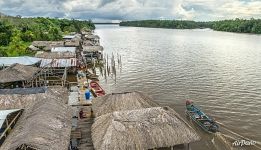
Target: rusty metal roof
{"type": "Point", "coordinates": [56, 63]}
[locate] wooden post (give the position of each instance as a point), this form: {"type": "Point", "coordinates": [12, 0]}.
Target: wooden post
{"type": "Point", "coordinates": [6, 122]}
{"type": "Point", "coordinates": [36, 84]}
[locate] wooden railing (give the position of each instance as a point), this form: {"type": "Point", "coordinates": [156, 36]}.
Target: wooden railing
{"type": "Point", "coordinates": [10, 125]}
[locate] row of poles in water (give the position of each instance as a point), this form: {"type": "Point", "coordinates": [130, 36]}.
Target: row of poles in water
{"type": "Point", "coordinates": [108, 65]}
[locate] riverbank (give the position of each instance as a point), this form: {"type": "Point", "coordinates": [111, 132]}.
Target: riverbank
{"type": "Point", "coordinates": [236, 25]}
{"type": "Point", "coordinates": [18, 33]}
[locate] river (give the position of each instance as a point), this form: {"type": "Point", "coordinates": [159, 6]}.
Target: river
{"type": "Point", "coordinates": [219, 71]}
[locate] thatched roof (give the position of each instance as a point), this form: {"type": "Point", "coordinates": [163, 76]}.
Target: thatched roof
{"type": "Point", "coordinates": [55, 55]}
{"type": "Point", "coordinates": [91, 37]}
{"type": "Point", "coordinates": [24, 99]}
{"type": "Point", "coordinates": [44, 125]}
{"type": "Point", "coordinates": [88, 43]}
{"type": "Point", "coordinates": [47, 43]}
{"type": "Point", "coordinates": [17, 72]}
{"type": "Point", "coordinates": [147, 128]}
{"type": "Point", "coordinates": [92, 48]}
{"type": "Point", "coordinates": [121, 101]}
{"type": "Point", "coordinates": [33, 48]}
{"type": "Point", "coordinates": [75, 43]}
{"type": "Point", "coordinates": [86, 32]}
{"type": "Point", "coordinates": [23, 91]}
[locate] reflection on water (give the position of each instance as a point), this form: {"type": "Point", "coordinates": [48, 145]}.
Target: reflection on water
{"type": "Point", "coordinates": [219, 71]}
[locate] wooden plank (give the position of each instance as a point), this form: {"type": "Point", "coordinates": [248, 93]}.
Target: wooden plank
{"type": "Point", "coordinates": [76, 135]}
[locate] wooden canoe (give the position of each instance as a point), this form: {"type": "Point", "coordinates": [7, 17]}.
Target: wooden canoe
{"type": "Point", "coordinates": [200, 118]}
{"type": "Point", "coordinates": [96, 89]}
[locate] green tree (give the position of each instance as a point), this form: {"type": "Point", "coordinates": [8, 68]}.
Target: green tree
{"type": "Point", "coordinates": [17, 47]}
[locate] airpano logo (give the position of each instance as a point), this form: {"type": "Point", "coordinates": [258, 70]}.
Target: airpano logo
{"type": "Point", "coordinates": [243, 143]}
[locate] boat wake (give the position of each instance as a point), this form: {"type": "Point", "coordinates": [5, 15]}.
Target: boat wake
{"type": "Point", "coordinates": [228, 137]}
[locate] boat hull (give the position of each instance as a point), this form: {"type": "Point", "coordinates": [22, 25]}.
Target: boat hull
{"type": "Point", "coordinates": [205, 122]}
{"type": "Point", "coordinates": [96, 89]}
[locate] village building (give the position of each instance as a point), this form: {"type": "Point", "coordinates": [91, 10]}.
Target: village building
{"type": "Point", "coordinates": [8, 119]}
{"type": "Point", "coordinates": [72, 43]}
{"type": "Point", "coordinates": [90, 52]}
{"type": "Point", "coordinates": [93, 38]}
{"type": "Point", "coordinates": [72, 36]}
{"type": "Point", "coordinates": [46, 45]}
{"type": "Point", "coordinates": [18, 75]}
{"type": "Point", "coordinates": [55, 55]}
{"type": "Point", "coordinates": [139, 123]}
{"type": "Point", "coordinates": [64, 49]}
{"type": "Point", "coordinates": [45, 122]}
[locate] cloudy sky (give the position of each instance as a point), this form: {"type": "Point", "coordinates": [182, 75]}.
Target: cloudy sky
{"type": "Point", "coordinates": [105, 10]}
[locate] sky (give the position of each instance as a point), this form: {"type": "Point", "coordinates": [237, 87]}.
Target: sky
{"type": "Point", "coordinates": [117, 10]}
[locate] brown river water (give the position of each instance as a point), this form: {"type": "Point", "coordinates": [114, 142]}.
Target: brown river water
{"type": "Point", "coordinates": [219, 71]}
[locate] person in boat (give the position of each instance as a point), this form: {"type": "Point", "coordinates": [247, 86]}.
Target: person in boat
{"type": "Point", "coordinates": [189, 105]}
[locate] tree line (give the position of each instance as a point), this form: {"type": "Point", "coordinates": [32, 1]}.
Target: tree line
{"type": "Point", "coordinates": [17, 33]}
{"type": "Point", "coordinates": [235, 25]}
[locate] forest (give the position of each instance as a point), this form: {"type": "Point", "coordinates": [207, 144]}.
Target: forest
{"type": "Point", "coordinates": [17, 33]}
{"type": "Point", "coordinates": [235, 25]}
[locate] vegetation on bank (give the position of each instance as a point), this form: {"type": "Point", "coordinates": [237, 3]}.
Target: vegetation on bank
{"type": "Point", "coordinates": [236, 25]}
{"type": "Point", "coordinates": [17, 33]}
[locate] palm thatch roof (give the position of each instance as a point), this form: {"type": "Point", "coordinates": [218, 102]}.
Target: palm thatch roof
{"type": "Point", "coordinates": [88, 43]}
{"type": "Point", "coordinates": [73, 42]}
{"type": "Point", "coordinates": [121, 101]}
{"type": "Point", "coordinates": [23, 91]}
{"type": "Point", "coordinates": [33, 48]}
{"type": "Point", "coordinates": [44, 125]}
{"type": "Point", "coordinates": [92, 48]}
{"type": "Point", "coordinates": [54, 55]}
{"type": "Point", "coordinates": [146, 128]}
{"type": "Point", "coordinates": [47, 43]}
{"type": "Point", "coordinates": [92, 37]}
{"type": "Point", "coordinates": [23, 100]}
{"type": "Point", "coordinates": [17, 72]}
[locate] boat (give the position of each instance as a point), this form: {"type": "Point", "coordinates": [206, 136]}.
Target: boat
{"type": "Point", "coordinates": [96, 89]}
{"type": "Point", "coordinates": [200, 118]}
{"type": "Point", "coordinates": [92, 76]}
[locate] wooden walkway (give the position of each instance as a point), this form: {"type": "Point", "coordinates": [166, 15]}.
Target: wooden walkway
{"type": "Point", "coordinates": [82, 89]}
{"type": "Point", "coordinates": [82, 132]}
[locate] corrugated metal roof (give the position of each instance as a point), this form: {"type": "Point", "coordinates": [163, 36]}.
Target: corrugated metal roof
{"type": "Point", "coordinates": [4, 114]}
{"type": "Point", "coordinates": [70, 62]}
{"type": "Point", "coordinates": [69, 36]}
{"type": "Point", "coordinates": [64, 49]}
{"type": "Point", "coordinates": [24, 60]}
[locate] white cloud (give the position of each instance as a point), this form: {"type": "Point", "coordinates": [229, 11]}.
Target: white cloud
{"type": "Point", "coordinates": [135, 9]}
